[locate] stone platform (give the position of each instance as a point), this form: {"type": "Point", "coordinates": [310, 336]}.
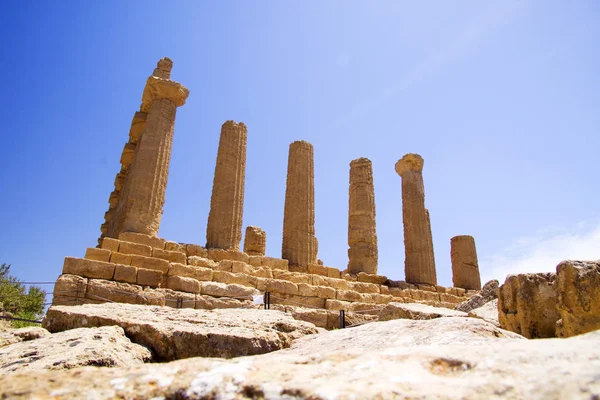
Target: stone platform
{"type": "Point", "coordinates": [141, 269]}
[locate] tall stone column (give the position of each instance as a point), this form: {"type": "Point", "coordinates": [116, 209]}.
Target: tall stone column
{"type": "Point", "coordinates": [419, 264]}
{"type": "Point", "coordinates": [299, 242]}
{"type": "Point", "coordinates": [362, 236]}
{"type": "Point", "coordinates": [224, 229]}
{"type": "Point", "coordinates": [465, 269]}
{"type": "Point", "coordinates": [255, 241]}
{"type": "Point", "coordinates": [143, 195]}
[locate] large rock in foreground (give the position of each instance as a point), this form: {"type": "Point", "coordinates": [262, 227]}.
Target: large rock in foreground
{"type": "Point", "coordinates": [488, 292]}
{"type": "Point", "coordinates": [174, 334]}
{"type": "Point", "coordinates": [107, 346]}
{"type": "Point", "coordinates": [416, 311]}
{"type": "Point", "coordinates": [578, 287]}
{"type": "Point", "coordinates": [443, 358]}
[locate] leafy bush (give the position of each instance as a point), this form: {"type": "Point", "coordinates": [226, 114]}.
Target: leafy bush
{"type": "Point", "coordinates": [16, 300]}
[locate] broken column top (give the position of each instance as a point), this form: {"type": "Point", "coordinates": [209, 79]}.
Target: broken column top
{"type": "Point", "coordinates": [410, 162]}
{"type": "Point", "coordinates": [163, 68]}
{"type": "Point", "coordinates": [233, 124]}
{"type": "Point", "coordinates": [301, 143]}
{"type": "Point", "coordinates": [462, 237]}
{"type": "Point", "coordinates": [359, 161]}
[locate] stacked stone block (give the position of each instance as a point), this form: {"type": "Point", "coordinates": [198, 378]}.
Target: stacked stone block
{"type": "Point", "coordinates": [255, 241]}
{"type": "Point", "coordinates": [362, 236]}
{"type": "Point", "coordinates": [465, 269]}
{"type": "Point", "coordinates": [224, 229]}
{"type": "Point", "coordinates": [419, 264]}
{"type": "Point", "coordinates": [300, 245]}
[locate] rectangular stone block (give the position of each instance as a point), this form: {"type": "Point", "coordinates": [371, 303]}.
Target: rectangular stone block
{"type": "Point", "coordinates": [230, 278]}
{"type": "Point", "coordinates": [183, 284]}
{"type": "Point", "coordinates": [88, 268]}
{"type": "Point", "coordinates": [325, 292]}
{"type": "Point", "coordinates": [125, 273]}
{"type": "Point", "coordinates": [135, 249]}
{"type": "Point", "coordinates": [149, 277]}
{"type": "Point", "coordinates": [337, 305]}
{"type": "Point", "coordinates": [460, 292]}
{"type": "Point", "coordinates": [349, 295]}
{"type": "Point", "coordinates": [120, 258]}
{"type": "Point", "coordinates": [205, 302]}
{"type": "Point", "coordinates": [297, 301]}
{"type": "Point", "coordinates": [280, 286]}
{"type": "Point", "coordinates": [102, 291]}
{"type": "Point", "coordinates": [191, 271]}
{"type": "Point", "coordinates": [69, 290]}
{"type": "Point", "coordinates": [348, 277]}
{"type": "Point", "coordinates": [427, 288]}
{"type": "Point", "coordinates": [243, 268]}
{"type": "Point", "coordinates": [364, 287]}
{"type": "Point", "coordinates": [174, 246]}
{"type": "Point", "coordinates": [195, 250]}
{"type": "Point", "coordinates": [448, 298]}
{"type": "Point", "coordinates": [179, 299]}
{"type": "Point", "coordinates": [219, 289]}
{"type": "Point", "coordinates": [331, 282]}
{"type": "Point", "coordinates": [220, 254]}
{"type": "Point", "coordinates": [424, 295]}
{"type": "Point", "coordinates": [397, 292]}
{"type": "Point", "coordinates": [171, 256]}
{"type": "Point", "coordinates": [307, 290]}
{"type": "Point", "coordinates": [156, 264]}
{"type": "Point", "coordinates": [333, 273]}
{"type": "Point", "coordinates": [295, 277]}
{"type": "Point", "coordinates": [381, 298]}
{"type": "Point", "coordinates": [317, 269]}
{"type": "Point", "coordinates": [93, 253]}
{"type": "Point", "coordinates": [298, 268]}
{"type": "Point", "coordinates": [383, 289]}
{"type": "Point", "coordinates": [201, 262]}
{"type": "Point", "coordinates": [370, 278]}
{"type": "Point", "coordinates": [316, 317]}
{"type": "Point", "coordinates": [110, 244]}
{"type": "Point", "coordinates": [140, 238]}
{"type": "Point", "coordinates": [270, 262]}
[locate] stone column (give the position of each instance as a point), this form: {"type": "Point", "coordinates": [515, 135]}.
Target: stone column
{"type": "Point", "coordinates": [465, 269]}
{"type": "Point", "coordinates": [255, 241]}
{"type": "Point", "coordinates": [224, 229]}
{"type": "Point", "coordinates": [299, 242]}
{"type": "Point", "coordinates": [362, 236]}
{"type": "Point", "coordinates": [419, 264]}
{"type": "Point", "coordinates": [140, 205]}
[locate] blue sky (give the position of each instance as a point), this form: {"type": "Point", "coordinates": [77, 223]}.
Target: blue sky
{"type": "Point", "coordinates": [500, 98]}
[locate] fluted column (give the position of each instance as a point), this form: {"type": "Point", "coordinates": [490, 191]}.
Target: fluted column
{"type": "Point", "coordinates": [419, 264]}
{"type": "Point", "coordinates": [224, 229]}
{"type": "Point", "coordinates": [299, 242]}
{"type": "Point", "coordinates": [140, 205]}
{"type": "Point", "coordinates": [362, 236]}
{"type": "Point", "coordinates": [465, 268]}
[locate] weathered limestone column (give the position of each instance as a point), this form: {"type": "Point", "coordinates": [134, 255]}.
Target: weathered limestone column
{"type": "Point", "coordinates": [419, 264]}
{"type": "Point", "coordinates": [224, 229]}
{"type": "Point", "coordinates": [362, 236]}
{"type": "Point", "coordinates": [143, 196]}
{"type": "Point", "coordinates": [299, 242]}
{"type": "Point", "coordinates": [465, 269]}
{"type": "Point", "coordinates": [255, 241]}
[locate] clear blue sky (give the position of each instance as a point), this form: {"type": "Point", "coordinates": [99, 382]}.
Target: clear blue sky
{"type": "Point", "coordinates": [501, 98]}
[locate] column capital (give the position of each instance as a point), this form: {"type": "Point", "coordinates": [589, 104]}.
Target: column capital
{"type": "Point", "coordinates": [360, 161]}
{"type": "Point", "coordinates": [159, 88]}
{"type": "Point", "coordinates": [410, 162]}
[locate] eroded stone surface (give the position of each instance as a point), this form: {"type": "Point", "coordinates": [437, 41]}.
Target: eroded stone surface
{"type": "Point", "coordinates": [224, 229]}
{"type": "Point", "coordinates": [362, 236]}
{"type": "Point", "coordinates": [182, 333]}
{"type": "Point", "coordinates": [444, 358]}
{"type": "Point", "coordinates": [416, 311]}
{"type": "Point", "coordinates": [527, 305]}
{"type": "Point", "coordinates": [488, 312]}
{"type": "Point", "coordinates": [488, 292]}
{"type": "Point", "coordinates": [419, 264]}
{"type": "Point", "coordinates": [10, 336]}
{"type": "Point", "coordinates": [299, 244]}
{"type": "Point", "coordinates": [578, 287]}
{"type": "Point", "coordinates": [106, 347]}
{"type": "Point", "coordinates": [255, 241]}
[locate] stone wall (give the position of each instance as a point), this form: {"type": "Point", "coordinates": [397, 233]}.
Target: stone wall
{"type": "Point", "coordinates": [142, 269]}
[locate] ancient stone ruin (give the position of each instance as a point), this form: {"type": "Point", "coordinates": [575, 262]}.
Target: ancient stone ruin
{"type": "Point", "coordinates": [465, 269]}
{"type": "Point", "coordinates": [132, 264]}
